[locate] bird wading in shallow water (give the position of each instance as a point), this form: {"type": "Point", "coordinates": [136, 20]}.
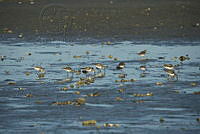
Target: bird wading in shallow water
{"type": "Point", "coordinates": [168, 66]}
{"type": "Point", "coordinates": [39, 69]}
{"type": "Point", "coordinates": [171, 74]}
{"type": "Point", "coordinates": [99, 66]}
{"type": "Point", "coordinates": [183, 58]}
{"type": "Point", "coordinates": [142, 53]}
{"type": "Point", "coordinates": [87, 70]}
{"type": "Point", "coordinates": [143, 68]}
{"type": "Point", "coordinates": [68, 70]}
{"type": "Point", "coordinates": [121, 65]}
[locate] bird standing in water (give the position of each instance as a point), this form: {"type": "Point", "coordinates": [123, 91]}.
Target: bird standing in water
{"type": "Point", "coordinates": [68, 70]}
{"type": "Point", "coordinates": [99, 66]}
{"type": "Point", "coordinates": [168, 66]}
{"type": "Point", "coordinates": [121, 65]}
{"type": "Point", "coordinates": [87, 70]}
{"type": "Point", "coordinates": [142, 53]}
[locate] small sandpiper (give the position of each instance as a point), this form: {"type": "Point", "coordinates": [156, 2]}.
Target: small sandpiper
{"type": "Point", "coordinates": [171, 73]}
{"type": "Point", "coordinates": [168, 66]}
{"type": "Point", "coordinates": [99, 66]}
{"type": "Point", "coordinates": [68, 70]}
{"type": "Point", "coordinates": [121, 65]}
{"type": "Point", "coordinates": [143, 68]}
{"type": "Point", "coordinates": [39, 68]}
{"type": "Point", "coordinates": [2, 58]}
{"type": "Point", "coordinates": [87, 70]}
{"type": "Point", "coordinates": [142, 53]}
{"type": "Point", "coordinates": [183, 58]}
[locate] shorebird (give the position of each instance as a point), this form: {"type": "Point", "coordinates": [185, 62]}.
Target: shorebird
{"type": "Point", "coordinates": [171, 73]}
{"type": "Point", "coordinates": [168, 66]}
{"type": "Point", "coordinates": [2, 58]}
{"type": "Point", "coordinates": [68, 70]}
{"type": "Point", "coordinates": [121, 65]}
{"type": "Point", "coordinates": [143, 68]}
{"type": "Point", "coordinates": [142, 53]}
{"type": "Point", "coordinates": [183, 58]}
{"type": "Point", "coordinates": [39, 68]}
{"type": "Point", "coordinates": [87, 70]}
{"type": "Point", "coordinates": [99, 66]}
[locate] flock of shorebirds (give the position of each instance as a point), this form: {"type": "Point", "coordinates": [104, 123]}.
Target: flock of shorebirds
{"type": "Point", "coordinates": [99, 67]}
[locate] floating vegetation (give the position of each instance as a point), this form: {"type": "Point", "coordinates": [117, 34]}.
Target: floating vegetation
{"type": "Point", "coordinates": [77, 102]}
{"type": "Point", "coordinates": [20, 88]}
{"type": "Point", "coordinates": [138, 101]}
{"type": "Point", "coordinates": [89, 123]}
{"type": "Point", "coordinates": [121, 90]}
{"type": "Point", "coordinates": [111, 125]}
{"type": "Point", "coordinates": [72, 86]}
{"type": "Point", "coordinates": [63, 103]}
{"type": "Point", "coordinates": [142, 75]}
{"type": "Point", "coordinates": [115, 59]}
{"type": "Point", "coordinates": [197, 93]}
{"type": "Point", "coordinates": [41, 75]}
{"type": "Point", "coordinates": [77, 57]}
{"type": "Point", "coordinates": [159, 83]}
{"type": "Point", "coordinates": [80, 101]}
{"type": "Point", "coordinates": [28, 95]}
{"type": "Point", "coordinates": [122, 75]}
{"type": "Point", "coordinates": [123, 80]}
{"type": "Point", "coordinates": [94, 94]}
{"type": "Point", "coordinates": [77, 92]}
{"type": "Point", "coordinates": [143, 95]}
{"type": "Point", "coordinates": [144, 59]}
{"type": "Point", "coordinates": [11, 83]}
{"type": "Point", "coordinates": [27, 73]}
{"type": "Point", "coordinates": [119, 99]}
{"type": "Point", "coordinates": [161, 120]}
{"type": "Point", "coordinates": [65, 88]}
{"type": "Point", "coordinates": [110, 56]}
{"type": "Point", "coordinates": [193, 84]}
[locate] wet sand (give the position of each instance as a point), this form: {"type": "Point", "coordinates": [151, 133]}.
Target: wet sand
{"type": "Point", "coordinates": [116, 19]}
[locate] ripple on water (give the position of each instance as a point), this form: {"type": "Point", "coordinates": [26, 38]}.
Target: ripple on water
{"type": "Point", "coordinates": [99, 105]}
{"type": "Point", "coordinates": [167, 109]}
{"type": "Point", "coordinates": [14, 105]}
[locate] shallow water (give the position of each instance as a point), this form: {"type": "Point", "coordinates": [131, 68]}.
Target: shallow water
{"type": "Point", "coordinates": [173, 101]}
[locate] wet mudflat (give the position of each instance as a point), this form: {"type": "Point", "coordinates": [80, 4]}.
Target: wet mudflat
{"type": "Point", "coordinates": [126, 100]}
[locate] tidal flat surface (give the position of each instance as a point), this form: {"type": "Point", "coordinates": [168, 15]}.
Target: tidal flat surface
{"type": "Point", "coordinates": [143, 102]}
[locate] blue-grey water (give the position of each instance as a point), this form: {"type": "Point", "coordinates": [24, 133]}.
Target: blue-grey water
{"type": "Point", "coordinates": [173, 101]}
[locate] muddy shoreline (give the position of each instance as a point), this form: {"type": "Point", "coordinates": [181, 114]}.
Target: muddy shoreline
{"type": "Point", "coordinates": [116, 19]}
